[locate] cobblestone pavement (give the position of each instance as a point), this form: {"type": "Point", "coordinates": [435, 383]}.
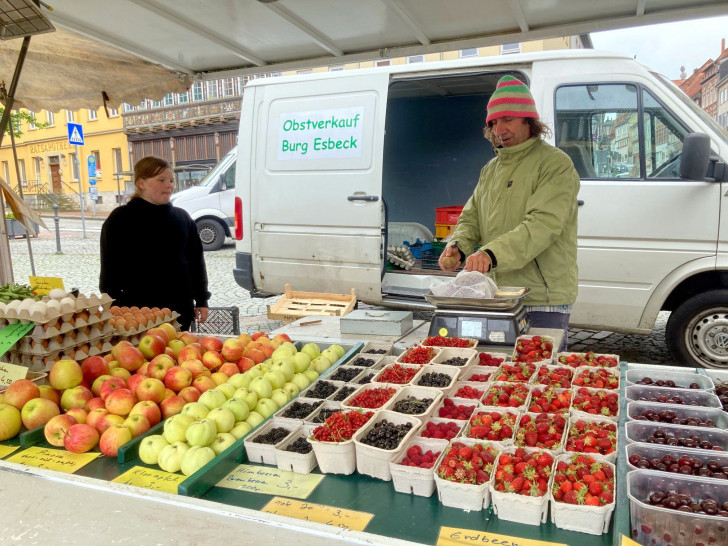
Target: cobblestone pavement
{"type": "Point", "coordinates": [78, 265]}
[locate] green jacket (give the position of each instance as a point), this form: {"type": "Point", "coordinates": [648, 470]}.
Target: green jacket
{"type": "Point", "coordinates": [524, 211]}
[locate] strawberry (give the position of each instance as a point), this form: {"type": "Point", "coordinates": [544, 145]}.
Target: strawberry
{"type": "Point", "coordinates": [574, 360]}
{"type": "Point", "coordinates": [540, 430]}
{"type": "Point", "coordinates": [468, 464]}
{"type": "Point", "coordinates": [531, 349]}
{"type": "Point", "coordinates": [523, 474]}
{"type": "Point", "coordinates": [592, 489]}
{"type": "Point", "coordinates": [505, 394]}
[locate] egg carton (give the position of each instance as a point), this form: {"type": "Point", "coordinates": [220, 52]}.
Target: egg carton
{"type": "Point", "coordinates": [62, 342]}
{"type": "Point", "coordinates": [78, 321]}
{"type": "Point", "coordinates": [123, 331]}
{"type": "Point", "coordinates": [48, 309]}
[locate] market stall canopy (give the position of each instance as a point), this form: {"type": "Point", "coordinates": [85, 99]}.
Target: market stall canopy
{"type": "Point", "coordinates": [214, 38]}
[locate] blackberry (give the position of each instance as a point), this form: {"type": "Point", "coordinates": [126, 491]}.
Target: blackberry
{"type": "Point", "coordinates": [345, 374]}
{"type": "Point", "coordinates": [322, 389]}
{"type": "Point", "coordinates": [301, 445]}
{"type": "Point", "coordinates": [434, 379]}
{"type": "Point", "coordinates": [272, 437]}
{"type": "Point", "coordinates": [300, 410]}
{"type": "Point", "coordinates": [456, 361]}
{"type": "Point", "coordinates": [342, 393]}
{"type": "Point", "coordinates": [363, 362]}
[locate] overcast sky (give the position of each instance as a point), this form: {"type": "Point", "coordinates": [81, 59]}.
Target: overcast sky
{"type": "Point", "coordinates": [667, 47]}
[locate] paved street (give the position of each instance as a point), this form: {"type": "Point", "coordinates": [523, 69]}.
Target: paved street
{"type": "Point", "coordinates": [78, 265]}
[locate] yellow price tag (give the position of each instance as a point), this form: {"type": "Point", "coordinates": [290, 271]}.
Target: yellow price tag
{"type": "Point", "coordinates": [271, 481]}
{"type": "Point", "coordinates": [442, 331]}
{"type": "Point", "coordinates": [45, 284]}
{"type": "Point", "coordinates": [626, 541]}
{"type": "Point", "coordinates": [53, 459]}
{"type": "Point", "coordinates": [10, 373]}
{"type": "Point", "coordinates": [148, 478]}
{"type": "Point", "coordinates": [451, 536]}
{"type": "Point", "coordinates": [7, 450]}
{"type": "Point", "coordinates": [328, 515]}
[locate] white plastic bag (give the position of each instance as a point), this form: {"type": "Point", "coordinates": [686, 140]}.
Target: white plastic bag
{"type": "Point", "coordinates": [467, 284]}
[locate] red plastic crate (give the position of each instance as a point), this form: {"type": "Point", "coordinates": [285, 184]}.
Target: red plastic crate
{"type": "Point", "coordinates": [447, 215]}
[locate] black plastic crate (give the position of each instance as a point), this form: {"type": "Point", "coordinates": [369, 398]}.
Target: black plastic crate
{"type": "Point", "coordinates": [430, 258]}
{"type": "Point", "coordinates": [222, 321]}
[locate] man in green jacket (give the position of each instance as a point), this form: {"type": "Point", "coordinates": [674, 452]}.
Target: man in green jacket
{"type": "Point", "coordinates": [520, 223]}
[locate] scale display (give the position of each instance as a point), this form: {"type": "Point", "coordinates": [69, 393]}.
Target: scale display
{"type": "Point", "coordinates": [488, 328]}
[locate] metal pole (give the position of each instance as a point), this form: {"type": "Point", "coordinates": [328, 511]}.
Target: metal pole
{"type": "Point", "coordinates": [80, 191]}
{"type": "Point", "coordinates": [20, 192]}
{"type": "Point", "coordinates": [118, 189]}
{"type": "Point", "coordinates": [58, 229]}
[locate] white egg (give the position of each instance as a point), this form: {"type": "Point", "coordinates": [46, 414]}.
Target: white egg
{"type": "Point", "coordinates": [68, 305]}
{"type": "Point", "coordinates": [27, 303]}
{"type": "Point", "coordinates": [53, 307]}
{"type": "Point", "coordinates": [57, 294]}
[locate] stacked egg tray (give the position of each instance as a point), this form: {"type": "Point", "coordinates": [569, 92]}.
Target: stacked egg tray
{"type": "Point", "coordinates": [72, 327]}
{"type": "Point", "coordinates": [133, 335]}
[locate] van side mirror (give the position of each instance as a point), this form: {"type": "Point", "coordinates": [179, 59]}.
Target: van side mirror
{"type": "Point", "coordinates": [696, 160]}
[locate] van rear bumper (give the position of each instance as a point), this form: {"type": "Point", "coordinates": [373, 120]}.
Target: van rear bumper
{"type": "Point", "coordinates": [243, 274]}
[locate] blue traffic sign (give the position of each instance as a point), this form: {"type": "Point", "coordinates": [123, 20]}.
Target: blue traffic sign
{"type": "Point", "coordinates": [91, 181]}
{"type": "Point", "coordinates": [91, 166]}
{"type": "Point", "coordinates": [75, 134]}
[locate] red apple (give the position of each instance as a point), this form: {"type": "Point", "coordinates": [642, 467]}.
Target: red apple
{"type": "Point", "coordinates": [159, 365]}
{"type": "Point", "coordinates": [37, 412]}
{"type": "Point", "coordinates": [212, 360]}
{"type": "Point", "coordinates": [80, 438]}
{"type": "Point", "coordinates": [203, 383]}
{"type": "Point", "coordinates": [94, 416]}
{"type": "Point", "coordinates": [130, 358]}
{"type": "Point", "coordinates": [159, 332]}
{"type": "Point", "coordinates": [150, 389]}
{"type": "Point", "coordinates": [121, 373]}
{"type": "Point", "coordinates": [148, 409]}
{"type": "Point", "coordinates": [188, 337]}
{"type": "Point", "coordinates": [190, 394]}
{"type": "Point", "coordinates": [282, 337]}
{"type": "Point", "coordinates": [95, 403]}
{"type": "Point", "coordinates": [110, 385]}
{"type": "Point", "coordinates": [256, 355]}
{"type": "Point", "coordinates": [142, 370]}
{"type": "Point", "coordinates": [151, 346]}
{"type": "Point", "coordinates": [113, 438]}
{"type": "Point", "coordinates": [137, 424]}
{"type": "Point", "coordinates": [211, 343]}
{"type": "Point", "coordinates": [93, 367]}
{"type": "Point", "coordinates": [133, 382]}
{"type": "Point", "coordinates": [49, 393]}
{"type": "Point", "coordinates": [172, 406]}
{"type": "Point", "coordinates": [65, 374]}
{"type": "Point", "coordinates": [169, 351]}
{"type": "Point", "coordinates": [195, 366]}
{"type": "Point", "coordinates": [244, 364]}
{"type": "Point", "coordinates": [120, 402]}
{"type": "Point", "coordinates": [177, 378]}
{"type": "Point", "coordinates": [189, 352]}
{"type": "Point", "coordinates": [232, 349]}
{"type": "Point", "coordinates": [257, 335]}
{"type": "Point", "coordinates": [108, 357]}
{"type": "Point", "coordinates": [96, 387]}
{"type": "Point", "coordinates": [176, 345]}
{"type": "Point", "coordinates": [229, 369]}
{"type": "Point", "coordinates": [79, 414]}
{"type": "Point", "coordinates": [55, 429]}
{"type": "Point", "coordinates": [171, 331]}
{"type": "Point", "coordinates": [107, 421]}
{"type": "Point", "coordinates": [168, 393]}
{"type": "Point", "coordinates": [116, 349]}
{"type": "Point", "coordinates": [77, 397]}
{"type": "Point", "coordinates": [21, 391]}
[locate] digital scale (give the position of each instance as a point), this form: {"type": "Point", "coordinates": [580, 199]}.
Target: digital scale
{"type": "Point", "coordinates": [495, 321]}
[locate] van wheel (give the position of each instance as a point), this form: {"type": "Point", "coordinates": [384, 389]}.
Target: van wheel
{"type": "Point", "coordinates": [211, 233]}
{"type": "Point", "coordinates": [697, 331]}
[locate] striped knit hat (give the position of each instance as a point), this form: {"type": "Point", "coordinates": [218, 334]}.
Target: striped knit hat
{"type": "Point", "coordinates": [511, 98]}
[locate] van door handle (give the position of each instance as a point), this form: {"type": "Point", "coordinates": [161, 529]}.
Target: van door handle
{"type": "Point", "coordinates": [370, 198]}
{"type": "Point", "coordinates": [579, 202]}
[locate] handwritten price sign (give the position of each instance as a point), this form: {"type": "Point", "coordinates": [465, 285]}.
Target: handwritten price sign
{"type": "Point", "coordinates": [7, 450]}
{"type": "Point", "coordinates": [450, 536]}
{"type": "Point", "coordinates": [147, 478]}
{"type": "Point", "coordinates": [270, 481]}
{"type": "Point", "coordinates": [53, 459]}
{"type": "Point", "coordinates": [328, 515]}
{"type": "Point", "coordinates": [10, 373]}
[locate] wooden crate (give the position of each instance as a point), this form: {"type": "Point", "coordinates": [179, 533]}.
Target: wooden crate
{"type": "Point", "coordinates": [295, 305]}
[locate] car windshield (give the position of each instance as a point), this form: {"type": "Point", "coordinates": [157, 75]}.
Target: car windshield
{"type": "Point", "coordinates": [221, 167]}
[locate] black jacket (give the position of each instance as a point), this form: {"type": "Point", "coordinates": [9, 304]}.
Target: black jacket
{"type": "Point", "coordinates": [151, 255]}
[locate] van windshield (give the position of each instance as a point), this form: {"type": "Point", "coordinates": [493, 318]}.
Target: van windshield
{"type": "Point", "coordinates": [213, 176]}
{"type": "Point", "coordinates": [717, 130]}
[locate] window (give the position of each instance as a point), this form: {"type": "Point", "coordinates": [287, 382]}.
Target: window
{"type": "Point", "coordinates": [6, 172]}
{"type": "Point", "coordinates": [212, 90]}
{"type": "Point", "coordinates": [21, 168]}
{"type": "Point", "coordinates": [169, 99]}
{"type": "Point", "coordinates": [92, 115]}
{"type": "Point", "coordinates": [383, 62]}
{"type": "Point", "coordinates": [469, 52]}
{"type": "Point", "coordinates": [198, 91]}
{"type": "Point", "coordinates": [113, 112]}
{"type": "Point", "coordinates": [416, 59]}
{"type": "Point", "coordinates": [69, 116]}
{"type": "Point", "coordinates": [73, 161]}
{"type": "Point", "coordinates": [507, 49]}
{"type": "Point", "coordinates": [182, 98]}
{"type": "Point", "coordinates": [49, 118]}
{"type": "Point", "coordinates": [228, 87]}
{"type": "Point", "coordinates": [118, 165]}
{"type": "Point", "coordinates": [31, 124]}
{"type": "Point", "coordinates": [617, 131]}
{"type": "Point", "coordinates": [97, 156]}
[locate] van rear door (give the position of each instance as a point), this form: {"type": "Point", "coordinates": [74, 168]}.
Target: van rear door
{"type": "Point", "coordinates": [316, 181]}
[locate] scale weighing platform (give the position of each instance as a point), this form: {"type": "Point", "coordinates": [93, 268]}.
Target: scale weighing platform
{"type": "Point", "coordinates": [495, 321]}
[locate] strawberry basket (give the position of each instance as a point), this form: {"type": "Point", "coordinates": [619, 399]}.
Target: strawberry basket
{"type": "Point", "coordinates": [459, 486]}
{"type": "Point", "coordinates": [542, 431]}
{"type": "Point", "coordinates": [494, 425]}
{"type": "Point", "coordinates": [596, 378]}
{"type": "Point", "coordinates": [412, 471]}
{"type": "Point", "coordinates": [441, 429]}
{"type": "Point", "coordinates": [516, 372]}
{"type": "Point", "coordinates": [548, 399]}
{"type": "Point", "coordinates": [554, 375]}
{"type": "Point", "coordinates": [575, 360]}
{"type": "Point", "coordinates": [595, 436]}
{"type": "Point", "coordinates": [491, 359]}
{"type": "Point", "coordinates": [534, 349]}
{"type": "Point", "coordinates": [586, 402]}
{"type": "Point", "coordinates": [507, 395]}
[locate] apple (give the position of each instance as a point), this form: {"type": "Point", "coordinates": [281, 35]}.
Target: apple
{"type": "Point", "coordinates": [252, 373]}
{"type": "Point", "coordinates": [247, 396]}
{"type": "Point", "coordinates": [93, 367]}
{"type": "Point", "coordinates": [130, 358]}
{"type": "Point", "coordinates": [108, 357]}
{"type": "Point", "coordinates": [176, 345]}
{"type": "Point", "coordinates": [283, 352]}
{"type": "Point", "coordinates": [94, 416]}
{"type": "Point", "coordinates": [229, 369]}
{"type": "Point", "coordinates": [320, 364]}
{"type": "Point", "coordinates": [222, 441]}
{"type": "Point", "coordinates": [118, 347]}
{"type": "Point", "coordinates": [79, 414]}
{"type": "Point", "coordinates": [120, 402]}
{"type": "Point", "coordinates": [177, 378]}
{"type": "Point", "coordinates": [301, 362]}
{"type": "Point", "coordinates": [37, 412]}
{"type": "Point", "coordinates": [203, 383]}
{"type": "Point", "coordinates": [196, 410]}
{"type": "Point", "coordinates": [285, 366]}
{"type": "Point", "coordinates": [232, 349]}
{"type": "Point", "coordinates": [176, 426]}
{"type": "Point", "coordinates": [227, 389]}
{"type": "Point", "coordinates": [121, 373]}
{"type": "Point", "coordinates": [133, 382]}
{"type": "Point", "coordinates": [171, 406]}
{"type": "Point", "coordinates": [311, 349]}
{"type": "Point", "coordinates": [201, 433]}
{"type": "Point", "coordinates": [94, 403]}
{"type": "Point", "coordinates": [331, 355]}
{"type": "Point", "coordinates": [212, 360]}
{"type": "Point", "coordinates": [195, 366]}
{"type": "Point", "coordinates": [148, 409]}
{"type": "Point", "coordinates": [282, 337]}
{"type": "Point", "coordinates": [107, 421]}
{"type": "Point", "coordinates": [195, 458]}
{"type": "Point", "coordinates": [219, 378]}
{"type": "Point", "coordinates": [190, 394]}
{"type": "Point", "coordinates": [112, 364]}
{"type": "Point", "coordinates": [168, 393]}
{"type": "Point", "coordinates": [254, 419]}
{"type": "Point", "coordinates": [262, 387]}
{"type": "Point", "coordinates": [55, 429]}
{"type": "Point", "coordinates": [21, 391]}
{"type": "Point", "coordinates": [256, 355]}
{"type": "Point", "coordinates": [142, 370]}
{"type": "Point", "coordinates": [301, 381]}
{"type": "Point", "coordinates": [151, 346]}
{"type": "Point", "coordinates": [80, 438]}
{"type": "Point", "coordinates": [291, 389]}
{"type": "Point", "coordinates": [170, 458]}
{"type": "Point", "coordinates": [189, 352]}
{"type": "Point", "coordinates": [266, 407]}
{"type": "Point", "coordinates": [150, 389]}
{"type": "Point", "coordinates": [280, 397]}
{"type": "Point", "coordinates": [110, 385]}
{"type": "Point", "coordinates": [96, 386]}
{"type": "Point", "coordinates": [244, 364]}
{"type": "Point", "coordinates": [211, 343]}
{"type": "Point", "coordinates": [159, 365]}
{"type": "Point", "coordinates": [239, 380]}
{"type": "Point", "coordinates": [188, 337]}
{"type": "Point", "coordinates": [240, 429]}
{"type": "Point", "coordinates": [150, 448]}
{"type": "Point", "coordinates": [223, 418]}
{"type": "Point", "coordinates": [258, 334]}
{"type": "Point", "coordinates": [212, 398]}
{"type": "Point", "coordinates": [311, 374]}
{"type": "Point", "coordinates": [49, 393]}
{"type": "Point", "coordinates": [238, 407]}
{"type": "Point", "coordinates": [137, 424]}
{"type": "Point", "coordinates": [75, 397]}
{"type": "Point", "coordinates": [113, 438]}
{"type": "Point", "coordinates": [65, 374]}
{"type": "Point", "coordinates": [161, 333]}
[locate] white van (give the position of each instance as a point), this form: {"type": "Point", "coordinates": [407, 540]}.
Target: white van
{"type": "Point", "coordinates": [211, 202]}
{"type": "Point", "coordinates": [329, 162]}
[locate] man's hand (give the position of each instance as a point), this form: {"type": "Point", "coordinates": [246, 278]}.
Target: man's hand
{"type": "Point", "coordinates": [201, 314]}
{"type": "Point", "coordinates": [478, 261]}
{"type": "Point", "coordinates": [449, 259]}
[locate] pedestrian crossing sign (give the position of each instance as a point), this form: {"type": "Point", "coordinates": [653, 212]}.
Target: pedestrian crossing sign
{"type": "Point", "coordinates": [75, 134]}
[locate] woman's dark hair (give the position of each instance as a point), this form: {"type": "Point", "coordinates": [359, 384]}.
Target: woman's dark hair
{"type": "Point", "coordinates": [538, 129]}
{"type": "Point", "coordinates": [147, 167]}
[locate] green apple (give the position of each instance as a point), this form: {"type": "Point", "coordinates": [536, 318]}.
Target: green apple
{"type": "Point", "coordinates": [321, 364]}
{"type": "Point", "coordinates": [239, 380]}
{"type": "Point", "coordinates": [311, 349]}
{"type": "Point", "coordinates": [276, 379]}
{"type": "Point", "coordinates": [240, 429]}
{"type": "Point", "coordinates": [247, 396]}
{"type": "Point", "coordinates": [223, 418]}
{"type": "Point", "coordinates": [176, 426]}
{"type": "Point", "coordinates": [286, 366]}
{"type": "Point", "coordinates": [254, 419]}
{"type": "Point", "coordinates": [290, 345]}
{"type": "Point", "coordinates": [339, 350]}
{"type": "Point", "coordinates": [333, 356]}
{"type": "Point", "coordinates": [196, 410]}
{"type": "Point", "coordinates": [150, 448]}
{"type": "Point", "coordinates": [201, 433]}
{"type": "Point", "coordinates": [301, 361]}
{"type": "Point", "coordinates": [170, 458]}
{"type": "Point", "coordinates": [222, 441]}
{"type": "Point", "coordinates": [311, 374]}
{"type": "Point", "coordinates": [280, 397]}
{"type": "Point", "coordinates": [252, 373]}
{"type": "Point", "coordinates": [282, 352]}
{"type": "Point", "coordinates": [266, 407]}
{"type": "Point", "coordinates": [262, 387]}
{"type": "Point", "coordinates": [291, 389]}
{"type": "Point", "coordinates": [195, 458]}
{"type": "Point", "coordinates": [301, 381]}
{"type": "Point", "coordinates": [239, 407]}
{"type": "Point", "coordinates": [10, 421]}
{"type": "Point", "coordinates": [212, 398]}
{"type": "Point", "coordinates": [227, 389]}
